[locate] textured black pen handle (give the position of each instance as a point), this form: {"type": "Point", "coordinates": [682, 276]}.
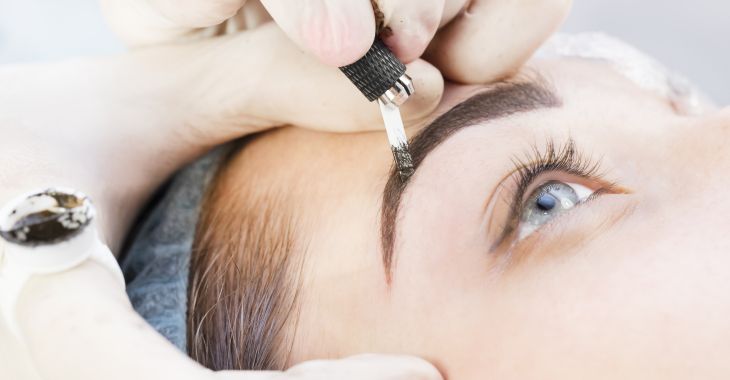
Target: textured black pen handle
{"type": "Point", "coordinates": [376, 72]}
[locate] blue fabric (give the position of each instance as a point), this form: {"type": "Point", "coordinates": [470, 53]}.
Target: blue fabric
{"type": "Point", "coordinates": [156, 264]}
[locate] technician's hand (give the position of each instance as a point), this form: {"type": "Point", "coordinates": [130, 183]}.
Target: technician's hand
{"type": "Point", "coordinates": [75, 331]}
{"type": "Point", "coordinates": [116, 127]}
{"type": "Point", "coordinates": [470, 41]}
{"type": "Point", "coordinates": [248, 75]}
{"type": "Point", "coordinates": [480, 42]}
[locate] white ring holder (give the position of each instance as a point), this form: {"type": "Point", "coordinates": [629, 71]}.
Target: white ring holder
{"type": "Point", "coordinates": [47, 231]}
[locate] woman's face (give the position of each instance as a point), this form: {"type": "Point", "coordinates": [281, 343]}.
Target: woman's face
{"type": "Point", "coordinates": [585, 239]}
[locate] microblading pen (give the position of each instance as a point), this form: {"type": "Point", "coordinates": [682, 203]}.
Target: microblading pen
{"type": "Point", "coordinates": [380, 76]}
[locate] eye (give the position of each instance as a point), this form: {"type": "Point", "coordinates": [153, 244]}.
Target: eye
{"type": "Point", "coordinates": [547, 202]}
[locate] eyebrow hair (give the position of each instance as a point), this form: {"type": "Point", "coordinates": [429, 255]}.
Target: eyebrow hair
{"type": "Point", "coordinates": [499, 101]}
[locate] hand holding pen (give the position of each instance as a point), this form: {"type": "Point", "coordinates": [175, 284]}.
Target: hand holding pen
{"type": "Point", "coordinates": [476, 41]}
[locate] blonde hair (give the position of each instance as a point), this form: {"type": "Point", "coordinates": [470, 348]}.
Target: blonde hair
{"type": "Point", "coordinates": [243, 276]}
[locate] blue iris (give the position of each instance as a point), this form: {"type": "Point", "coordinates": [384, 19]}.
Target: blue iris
{"type": "Point", "coordinates": [546, 202]}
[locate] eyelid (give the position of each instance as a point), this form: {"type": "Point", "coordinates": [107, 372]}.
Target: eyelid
{"type": "Point", "coordinates": [578, 225]}
{"type": "Point", "coordinates": [582, 184]}
{"type": "Point", "coordinates": [565, 158]}
{"type": "Point", "coordinates": [538, 167]}
{"type": "Point", "coordinates": [586, 188]}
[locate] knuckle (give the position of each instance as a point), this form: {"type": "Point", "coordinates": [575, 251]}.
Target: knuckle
{"type": "Point", "coordinates": [225, 8]}
{"type": "Point", "coordinates": [217, 11]}
{"type": "Point", "coordinates": [431, 17]}
{"type": "Point", "coordinates": [203, 14]}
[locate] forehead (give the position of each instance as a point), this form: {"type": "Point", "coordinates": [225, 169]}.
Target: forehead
{"type": "Point", "coordinates": [323, 167]}
{"type": "Point", "coordinates": [326, 171]}
{"type": "Point", "coordinates": [581, 81]}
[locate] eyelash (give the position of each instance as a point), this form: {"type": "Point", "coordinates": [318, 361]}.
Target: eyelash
{"type": "Point", "coordinates": [564, 158]}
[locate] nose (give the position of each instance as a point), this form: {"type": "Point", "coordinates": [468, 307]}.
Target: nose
{"type": "Point", "coordinates": [719, 119]}
{"type": "Point", "coordinates": [692, 214]}
{"type": "Point", "coordinates": [679, 237]}
{"type": "Point", "coordinates": [724, 116]}
{"type": "Point", "coordinates": [705, 145]}
{"type": "Point", "coordinates": [713, 131]}
{"type": "Point", "coordinates": [697, 166]}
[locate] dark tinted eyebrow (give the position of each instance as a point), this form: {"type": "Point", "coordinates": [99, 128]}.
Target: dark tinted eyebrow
{"type": "Point", "coordinates": [502, 100]}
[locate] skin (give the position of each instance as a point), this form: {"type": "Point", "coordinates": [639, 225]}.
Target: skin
{"type": "Point", "coordinates": [117, 127]}
{"type": "Point", "coordinates": [203, 72]}
{"type": "Point", "coordinates": [451, 33]}
{"type": "Point", "coordinates": [631, 285]}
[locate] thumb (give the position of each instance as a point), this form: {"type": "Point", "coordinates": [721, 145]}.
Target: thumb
{"type": "Point", "coordinates": [337, 32]}
{"type": "Point", "coordinates": [472, 48]}
{"type": "Point", "coordinates": [80, 325]}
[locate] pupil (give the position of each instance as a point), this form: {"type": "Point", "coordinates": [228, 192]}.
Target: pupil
{"type": "Point", "coordinates": [546, 202]}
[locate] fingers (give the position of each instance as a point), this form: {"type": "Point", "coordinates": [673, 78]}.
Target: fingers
{"type": "Point", "coordinates": [367, 367]}
{"type": "Point", "coordinates": [452, 8]}
{"type": "Point", "coordinates": [196, 13]}
{"type": "Point", "coordinates": [413, 24]}
{"type": "Point", "coordinates": [340, 32]}
{"type": "Point", "coordinates": [321, 98]}
{"type": "Point", "coordinates": [248, 81]}
{"type": "Point", "coordinates": [147, 22]}
{"type": "Point", "coordinates": [337, 32]}
{"type": "Point", "coordinates": [359, 367]}
{"type": "Point", "coordinates": [492, 39]}
{"type": "Point", "coordinates": [138, 24]}
{"type": "Point", "coordinates": [80, 325]}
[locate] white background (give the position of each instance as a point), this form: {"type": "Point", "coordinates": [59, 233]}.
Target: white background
{"type": "Point", "coordinates": [691, 37]}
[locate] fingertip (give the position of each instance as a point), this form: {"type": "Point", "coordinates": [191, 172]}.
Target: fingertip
{"type": "Point", "coordinates": [401, 366]}
{"type": "Point", "coordinates": [412, 26]}
{"type": "Point", "coordinates": [471, 50]}
{"type": "Point", "coordinates": [340, 33]}
{"type": "Point", "coordinates": [335, 49]}
{"type": "Point", "coordinates": [429, 89]}
{"type": "Point", "coordinates": [408, 47]}
{"type": "Point", "coordinates": [426, 370]}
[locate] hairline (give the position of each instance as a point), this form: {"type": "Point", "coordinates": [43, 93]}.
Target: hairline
{"type": "Point", "coordinates": [257, 275]}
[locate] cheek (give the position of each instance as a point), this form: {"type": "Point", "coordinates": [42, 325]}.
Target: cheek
{"type": "Point", "coordinates": [440, 239]}
{"type": "Point", "coordinates": [650, 297]}
{"type": "Point", "coordinates": [643, 306]}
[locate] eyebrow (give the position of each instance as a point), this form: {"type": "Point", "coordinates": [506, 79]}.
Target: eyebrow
{"type": "Point", "coordinates": [502, 100]}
